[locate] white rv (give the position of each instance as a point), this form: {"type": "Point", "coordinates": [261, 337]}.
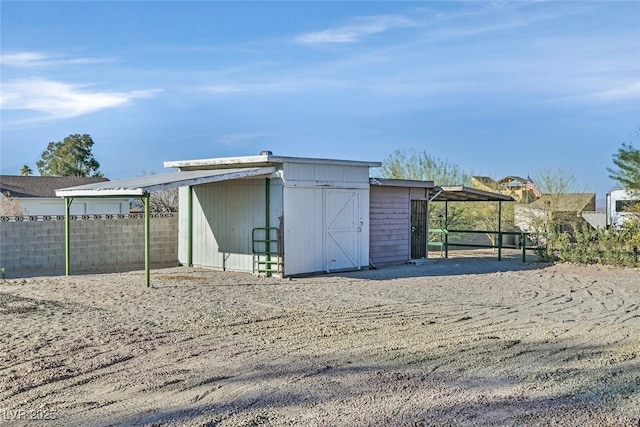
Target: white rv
{"type": "Point", "coordinates": [617, 202]}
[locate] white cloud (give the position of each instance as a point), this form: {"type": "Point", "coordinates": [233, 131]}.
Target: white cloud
{"type": "Point", "coordinates": [630, 91]}
{"type": "Point", "coordinates": [356, 32]}
{"type": "Point", "coordinates": [22, 59]}
{"type": "Point", "coordinates": [226, 88]}
{"type": "Point", "coordinates": [288, 85]}
{"type": "Point", "coordinates": [38, 59]}
{"type": "Point", "coordinates": [58, 100]}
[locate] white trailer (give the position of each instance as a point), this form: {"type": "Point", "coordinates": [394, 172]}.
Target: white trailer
{"type": "Point", "coordinates": [617, 203]}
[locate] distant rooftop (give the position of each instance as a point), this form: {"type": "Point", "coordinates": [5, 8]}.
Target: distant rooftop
{"type": "Point", "coordinates": [41, 186]}
{"type": "Point", "coordinates": [566, 202]}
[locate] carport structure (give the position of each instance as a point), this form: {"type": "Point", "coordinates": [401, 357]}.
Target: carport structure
{"type": "Point", "coordinates": [400, 212]}
{"type": "Point", "coordinates": [448, 194]}
{"type": "Point", "coordinates": [140, 188]}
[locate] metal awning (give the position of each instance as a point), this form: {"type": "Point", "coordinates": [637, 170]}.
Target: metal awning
{"type": "Point", "coordinates": [141, 187]}
{"type": "Point", "coordinates": [468, 194]}
{"type": "Point", "coordinates": [136, 187]}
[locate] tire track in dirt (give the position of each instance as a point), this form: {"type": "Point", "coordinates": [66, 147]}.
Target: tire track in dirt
{"type": "Point", "coordinates": [508, 346]}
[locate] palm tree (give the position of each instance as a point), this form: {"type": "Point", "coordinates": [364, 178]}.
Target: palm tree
{"type": "Point", "coordinates": [26, 171]}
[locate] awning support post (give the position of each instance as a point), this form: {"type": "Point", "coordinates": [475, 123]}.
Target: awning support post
{"type": "Point", "coordinates": [190, 226]}
{"type": "Point", "coordinates": [499, 231]}
{"type": "Point", "coordinates": [426, 229]}
{"type": "Point", "coordinates": [147, 240]}
{"type": "Point", "coordinates": [446, 228]}
{"type": "Point", "coordinates": [67, 236]}
{"type": "Point", "coordinates": [267, 222]}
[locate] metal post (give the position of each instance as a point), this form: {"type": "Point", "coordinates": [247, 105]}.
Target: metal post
{"type": "Point", "coordinates": [67, 236]}
{"type": "Point", "coordinates": [426, 229]}
{"type": "Point", "coordinates": [267, 223]}
{"type": "Point", "coordinates": [500, 231]}
{"type": "Point", "coordinates": [147, 240]}
{"type": "Point", "coordinates": [446, 229]}
{"type": "Point", "coordinates": [190, 226]}
{"type": "Point", "coordinates": [523, 242]}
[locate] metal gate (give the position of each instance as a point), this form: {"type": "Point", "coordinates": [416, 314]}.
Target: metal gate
{"type": "Point", "coordinates": [418, 229]}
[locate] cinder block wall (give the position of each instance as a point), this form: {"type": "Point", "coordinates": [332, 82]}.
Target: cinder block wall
{"type": "Point", "coordinates": [39, 245]}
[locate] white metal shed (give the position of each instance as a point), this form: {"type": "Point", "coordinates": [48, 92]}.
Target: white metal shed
{"type": "Point", "coordinates": [311, 215]}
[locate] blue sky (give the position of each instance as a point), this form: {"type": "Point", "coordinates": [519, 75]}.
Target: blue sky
{"type": "Point", "coordinates": [499, 88]}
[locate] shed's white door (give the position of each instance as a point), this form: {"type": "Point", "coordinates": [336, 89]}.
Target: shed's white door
{"type": "Point", "coordinates": [343, 226]}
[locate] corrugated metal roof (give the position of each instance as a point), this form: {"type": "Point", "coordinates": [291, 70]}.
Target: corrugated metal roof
{"type": "Point", "coordinates": [445, 194]}
{"type": "Point", "coordinates": [150, 183]}
{"type": "Point", "coordinates": [384, 182]}
{"type": "Point", "coordinates": [469, 194]}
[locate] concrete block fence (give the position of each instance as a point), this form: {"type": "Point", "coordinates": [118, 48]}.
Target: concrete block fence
{"type": "Point", "coordinates": [35, 244]}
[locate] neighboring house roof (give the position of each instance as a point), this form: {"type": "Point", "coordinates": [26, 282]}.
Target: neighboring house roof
{"type": "Point", "coordinates": [484, 179]}
{"type": "Point", "coordinates": [507, 183]}
{"type": "Point", "coordinates": [19, 186]}
{"type": "Point", "coordinates": [483, 182]}
{"type": "Point", "coordinates": [510, 180]}
{"type": "Point", "coordinates": [568, 202]}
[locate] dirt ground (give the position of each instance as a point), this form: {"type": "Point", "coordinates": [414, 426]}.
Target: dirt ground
{"type": "Point", "coordinates": [453, 342]}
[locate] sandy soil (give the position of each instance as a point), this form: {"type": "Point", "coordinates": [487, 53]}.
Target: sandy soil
{"type": "Point", "coordinates": [453, 342]}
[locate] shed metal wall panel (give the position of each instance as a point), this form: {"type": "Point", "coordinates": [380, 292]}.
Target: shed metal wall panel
{"type": "Point", "coordinates": [417, 193]}
{"type": "Point", "coordinates": [314, 174]}
{"type": "Point", "coordinates": [303, 242]}
{"type": "Point", "coordinates": [224, 215]}
{"type": "Point", "coordinates": [390, 216]}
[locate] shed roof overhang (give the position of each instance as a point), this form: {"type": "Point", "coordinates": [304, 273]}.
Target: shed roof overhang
{"type": "Point", "coordinates": [468, 194]}
{"type": "Point", "coordinates": [266, 159]}
{"type": "Point", "coordinates": [383, 182]}
{"type": "Point", "coordinates": [141, 187]}
{"type": "Point", "coordinates": [135, 187]}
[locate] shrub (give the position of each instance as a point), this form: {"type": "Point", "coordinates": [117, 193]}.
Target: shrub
{"type": "Point", "coordinates": [617, 247]}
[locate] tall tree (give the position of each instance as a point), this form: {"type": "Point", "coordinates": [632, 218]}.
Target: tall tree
{"type": "Point", "coordinates": [161, 201]}
{"type": "Point", "coordinates": [70, 157]}
{"type": "Point", "coordinates": [627, 172]}
{"type": "Point", "coordinates": [556, 181]}
{"type": "Point", "coordinates": [26, 170]}
{"type": "Point", "coordinates": [420, 165]}
{"type": "Point", "coordinates": [10, 206]}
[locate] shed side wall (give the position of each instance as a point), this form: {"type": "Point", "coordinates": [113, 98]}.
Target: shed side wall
{"type": "Point", "coordinates": [390, 219]}
{"type": "Point", "coordinates": [224, 215]}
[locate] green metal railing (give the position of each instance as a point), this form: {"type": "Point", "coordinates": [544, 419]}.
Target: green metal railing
{"type": "Point", "coordinates": [266, 251]}
{"type": "Point", "coordinates": [444, 241]}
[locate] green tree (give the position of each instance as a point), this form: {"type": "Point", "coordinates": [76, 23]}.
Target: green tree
{"type": "Point", "coordinates": [556, 181]}
{"type": "Point", "coordinates": [554, 184]}
{"type": "Point", "coordinates": [10, 206]}
{"type": "Point", "coordinates": [160, 201]}
{"type": "Point", "coordinates": [422, 166]}
{"type": "Point", "coordinates": [26, 170]}
{"type": "Point", "coordinates": [627, 162]}
{"type": "Point", "coordinates": [70, 157]}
